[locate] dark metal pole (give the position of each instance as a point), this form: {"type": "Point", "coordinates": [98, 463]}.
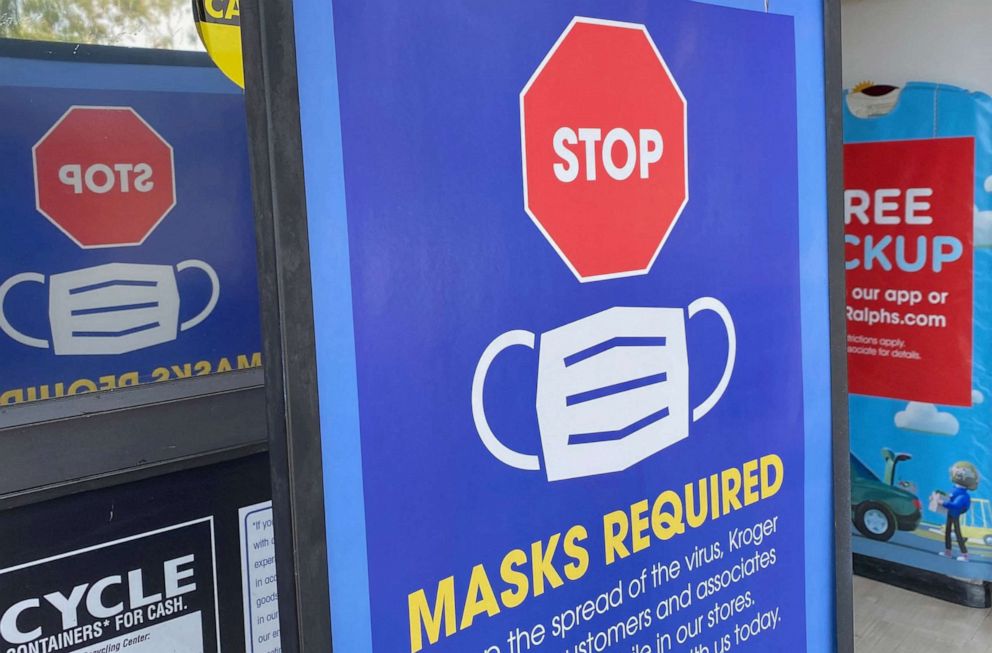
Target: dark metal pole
{"type": "Point", "coordinates": [843, 573]}
{"type": "Point", "coordinates": [289, 353]}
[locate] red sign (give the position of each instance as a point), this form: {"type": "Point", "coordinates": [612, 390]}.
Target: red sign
{"type": "Point", "coordinates": [908, 252]}
{"type": "Point", "coordinates": [604, 147]}
{"type": "Point", "coordinates": [103, 176]}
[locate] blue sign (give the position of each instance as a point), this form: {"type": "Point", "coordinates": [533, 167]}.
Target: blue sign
{"type": "Point", "coordinates": [101, 288]}
{"type": "Point", "coordinates": [571, 324]}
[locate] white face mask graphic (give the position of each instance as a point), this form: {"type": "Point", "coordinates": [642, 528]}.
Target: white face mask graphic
{"type": "Point", "coordinates": [612, 389]}
{"type": "Point", "coordinates": [111, 309]}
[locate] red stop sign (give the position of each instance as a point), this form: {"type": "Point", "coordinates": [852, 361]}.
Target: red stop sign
{"type": "Point", "coordinates": [103, 176]}
{"type": "Point", "coordinates": [604, 149]}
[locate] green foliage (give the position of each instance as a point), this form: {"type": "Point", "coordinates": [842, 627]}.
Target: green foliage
{"type": "Point", "coordinates": [147, 23]}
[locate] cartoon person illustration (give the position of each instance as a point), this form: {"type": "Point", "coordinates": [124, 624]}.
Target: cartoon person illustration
{"type": "Point", "coordinates": [965, 478]}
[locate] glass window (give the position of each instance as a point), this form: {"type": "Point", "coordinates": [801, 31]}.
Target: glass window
{"type": "Point", "coordinates": [163, 24]}
{"type": "Point", "coordinates": [129, 250]}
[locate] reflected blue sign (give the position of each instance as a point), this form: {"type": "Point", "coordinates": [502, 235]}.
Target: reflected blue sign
{"type": "Point", "coordinates": [129, 249]}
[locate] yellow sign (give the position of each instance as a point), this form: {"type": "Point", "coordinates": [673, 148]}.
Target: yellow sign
{"type": "Point", "coordinates": [219, 25]}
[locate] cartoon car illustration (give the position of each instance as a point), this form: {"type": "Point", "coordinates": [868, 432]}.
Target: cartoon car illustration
{"type": "Point", "coordinates": [879, 509]}
{"type": "Point", "coordinates": [976, 524]}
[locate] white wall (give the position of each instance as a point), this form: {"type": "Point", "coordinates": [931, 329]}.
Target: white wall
{"type": "Point", "coordinates": [895, 41]}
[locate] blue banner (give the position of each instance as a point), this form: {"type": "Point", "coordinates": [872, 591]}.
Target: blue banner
{"type": "Point", "coordinates": [561, 325]}
{"type": "Point", "coordinates": [914, 449]}
{"type": "Point", "coordinates": [128, 253]}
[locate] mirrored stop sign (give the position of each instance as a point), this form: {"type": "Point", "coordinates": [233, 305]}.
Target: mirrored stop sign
{"type": "Point", "coordinates": [604, 149]}
{"type": "Point", "coordinates": [104, 176]}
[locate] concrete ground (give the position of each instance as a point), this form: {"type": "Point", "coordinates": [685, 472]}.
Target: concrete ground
{"type": "Point", "coordinates": [888, 619]}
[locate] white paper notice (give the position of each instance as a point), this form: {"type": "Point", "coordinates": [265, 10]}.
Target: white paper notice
{"type": "Point", "coordinates": [258, 574]}
{"type": "Point", "coordinates": [182, 634]}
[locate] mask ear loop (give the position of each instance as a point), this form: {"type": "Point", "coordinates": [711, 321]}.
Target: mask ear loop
{"type": "Point", "coordinates": [500, 451]}
{"type": "Point", "coordinates": [214, 292]}
{"type": "Point", "coordinates": [716, 306]}
{"type": "Point", "coordinates": [5, 325]}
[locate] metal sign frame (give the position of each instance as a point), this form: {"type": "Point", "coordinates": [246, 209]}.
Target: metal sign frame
{"type": "Point", "coordinates": [273, 91]}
